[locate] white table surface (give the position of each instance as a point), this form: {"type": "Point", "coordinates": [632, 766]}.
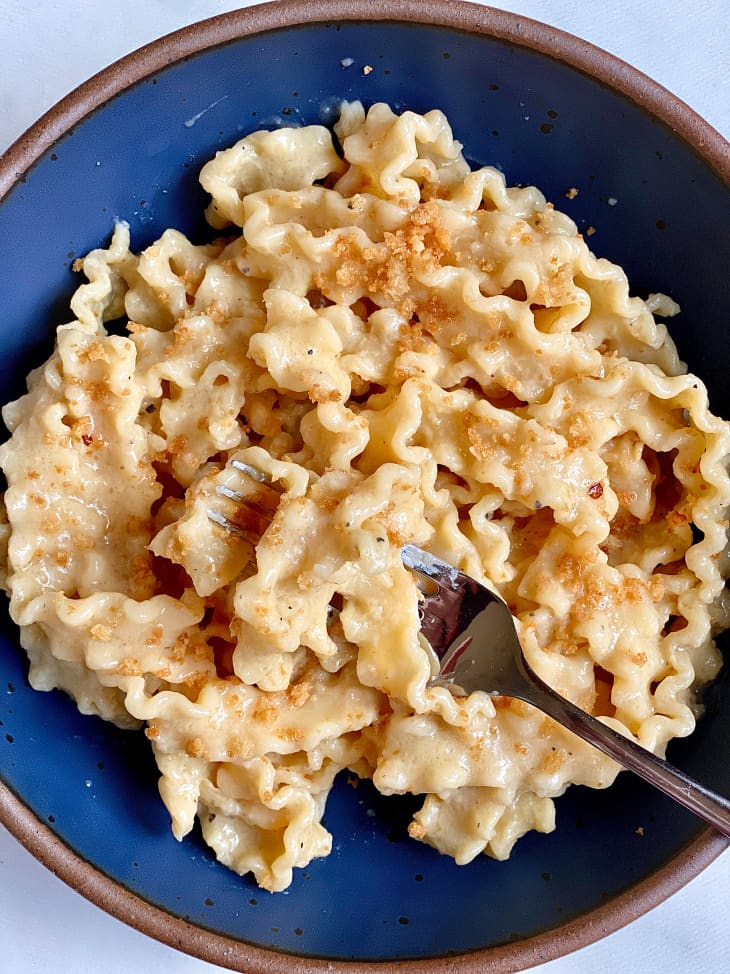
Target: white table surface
{"type": "Point", "coordinates": [49, 47]}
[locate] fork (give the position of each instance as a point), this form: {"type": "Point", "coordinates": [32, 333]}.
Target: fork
{"type": "Point", "coordinates": [472, 633]}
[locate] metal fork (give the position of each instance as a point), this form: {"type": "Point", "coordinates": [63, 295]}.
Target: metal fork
{"type": "Point", "coordinates": [473, 635]}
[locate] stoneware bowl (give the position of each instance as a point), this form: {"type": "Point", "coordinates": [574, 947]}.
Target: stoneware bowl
{"type": "Point", "coordinates": [544, 107]}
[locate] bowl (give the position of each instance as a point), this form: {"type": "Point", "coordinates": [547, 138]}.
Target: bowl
{"type": "Point", "coordinates": [545, 108]}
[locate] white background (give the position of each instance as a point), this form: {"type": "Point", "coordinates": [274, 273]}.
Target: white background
{"type": "Point", "coordinates": [46, 49]}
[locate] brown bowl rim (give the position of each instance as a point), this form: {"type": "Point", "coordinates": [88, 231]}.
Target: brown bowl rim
{"type": "Point", "coordinates": [646, 93]}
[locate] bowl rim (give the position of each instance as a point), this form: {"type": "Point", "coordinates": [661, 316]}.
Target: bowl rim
{"type": "Point", "coordinates": [513, 28]}
{"type": "Point", "coordinates": [212, 32]}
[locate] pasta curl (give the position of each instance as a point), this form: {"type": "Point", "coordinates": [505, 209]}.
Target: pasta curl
{"type": "Point", "coordinates": [413, 352]}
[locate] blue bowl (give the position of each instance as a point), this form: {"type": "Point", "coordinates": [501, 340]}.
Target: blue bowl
{"type": "Point", "coordinates": [546, 109]}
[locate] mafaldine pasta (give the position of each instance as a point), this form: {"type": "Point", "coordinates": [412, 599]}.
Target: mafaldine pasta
{"type": "Point", "coordinates": [414, 352]}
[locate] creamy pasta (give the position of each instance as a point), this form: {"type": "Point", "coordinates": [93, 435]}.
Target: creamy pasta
{"type": "Point", "coordinates": [415, 353]}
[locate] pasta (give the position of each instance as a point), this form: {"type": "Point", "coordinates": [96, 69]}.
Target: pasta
{"type": "Point", "coordinates": [415, 353]}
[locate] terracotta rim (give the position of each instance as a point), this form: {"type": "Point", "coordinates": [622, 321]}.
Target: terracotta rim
{"type": "Point", "coordinates": [512, 28]}
{"type": "Point", "coordinates": [249, 959]}
{"type": "Point", "coordinates": [706, 141]}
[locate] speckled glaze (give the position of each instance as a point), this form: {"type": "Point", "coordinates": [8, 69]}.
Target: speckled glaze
{"type": "Point", "coordinates": [652, 179]}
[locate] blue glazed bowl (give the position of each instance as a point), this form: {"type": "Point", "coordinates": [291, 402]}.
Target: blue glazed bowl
{"type": "Point", "coordinates": [546, 109]}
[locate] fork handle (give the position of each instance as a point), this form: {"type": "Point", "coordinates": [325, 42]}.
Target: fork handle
{"type": "Point", "coordinates": [709, 805]}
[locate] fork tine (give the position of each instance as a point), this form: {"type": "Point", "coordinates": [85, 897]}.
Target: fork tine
{"type": "Point", "coordinates": [265, 502]}
{"type": "Point", "coordinates": [425, 563]}
{"type": "Point", "coordinates": [260, 476]}
{"type": "Point", "coordinates": [225, 522]}
{"type": "Point", "coordinates": [255, 503]}
{"type": "Point", "coordinates": [224, 490]}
